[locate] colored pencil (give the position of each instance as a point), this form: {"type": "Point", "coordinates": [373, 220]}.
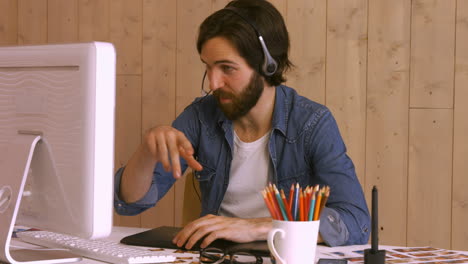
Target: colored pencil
{"type": "Point", "coordinates": [287, 208]}
{"type": "Point", "coordinates": [274, 203]}
{"type": "Point", "coordinates": [326, 193]}
{"type": "Point", "coordinates": [281, 205]}
{"type": "Point", "coordinates": [296, 202]}
{"type": "Point", "coordinates": [291, 196]}
{"type": "Point", "coordinates": [312, 206]}
{"type": "Point", "coordinates": [317, 205]}
{"type": "Point", "coordinates": [268, 204]}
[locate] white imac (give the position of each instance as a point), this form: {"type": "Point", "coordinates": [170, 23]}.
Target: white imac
{"type": "Point", "coordinates": [57, 105]}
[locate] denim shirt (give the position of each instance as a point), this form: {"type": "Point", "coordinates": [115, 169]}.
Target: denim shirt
{"type": "Point", "coordinates": [305, 147]}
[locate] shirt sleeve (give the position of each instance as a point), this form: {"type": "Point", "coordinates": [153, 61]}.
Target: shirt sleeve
{"type": "Point", "coordinates": [347, 211]}
{"type": "Point", "coordinates": [123, 208]}
{"type": "Point", "coordinates": [332, 229]}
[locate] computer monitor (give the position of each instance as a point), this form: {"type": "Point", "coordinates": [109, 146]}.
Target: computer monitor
{"type": "Point", "coordinates": [57, 105]}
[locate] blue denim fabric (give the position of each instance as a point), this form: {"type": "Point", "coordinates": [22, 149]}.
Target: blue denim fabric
{"type": "Point", "coordinates": [305, 147]}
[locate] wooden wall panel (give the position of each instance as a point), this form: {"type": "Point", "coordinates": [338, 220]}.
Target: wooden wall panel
{"type": "Point", "coordinates": [93, 17]}
{"type": "Point", "coordinates": [387, 114]}
{"type": "Point", "coordinates": [430, 177]}
{"type": "Point", "coordinates": [189, 67]}
{"type": "Point", "coordinates": [218, 4]}
{"type": "Point", "coordinates": [346, 73]}
{"type": "Point", "coordinates": [8, 22]}
{"type": "Point", "coordinates": [432, 50]}
{"type": "Point", "coordinates": [126, 34]}
{"type": "Point", "coordinates": [460, 153]}
{"type": "Point", "coordinates": [32, 21]}
{"type": "Point", "coordinates": [158, 91]}
{"type": "Point", "coordinates": [127, 129]}
{"type": "Point", "coordinates": [282, 6]}
{"type": "Point", "coordinates": [189, 70]}
{"type": "Point", "coordinates": [391, 136]}
{"type": "Point", "coordinates": [306, 22]}
{"type": "Point", "coordinates": [62, 21]}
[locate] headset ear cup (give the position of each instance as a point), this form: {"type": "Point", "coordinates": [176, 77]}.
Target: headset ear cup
{"type": "Point", "coordinates": [269, 66]}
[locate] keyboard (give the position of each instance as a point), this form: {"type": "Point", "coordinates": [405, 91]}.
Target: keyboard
{"type": "Point", "coordinates": [98, 249]}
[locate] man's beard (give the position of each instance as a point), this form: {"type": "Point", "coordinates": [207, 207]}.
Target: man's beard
{"type": "Point", "coordinates": [241, 104]}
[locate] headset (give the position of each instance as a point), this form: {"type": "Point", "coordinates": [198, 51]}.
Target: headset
{"type": "Point", "coordinates": [269, 66]}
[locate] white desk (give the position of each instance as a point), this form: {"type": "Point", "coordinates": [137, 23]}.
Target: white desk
{"type": "Point", "coordinates": [322, 251]}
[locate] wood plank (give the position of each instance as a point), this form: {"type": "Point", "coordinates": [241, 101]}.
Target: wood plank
{"type": "Point", "coordinates": [432, 53]}
{"type": "Point", "coordinates": [159, 78]}
{"type": "Point", "coordinates": [62, 21]}
{"type": "Point", "coordinates": [218, 4]}
{"type": "Point", "coordinates": [346, 73]}
{"type": "Point", "coordinates": [189, 69]}
{"type": "Point", "coordinates": [93, 20]}
{"type": "Point", "coordinates": [8, 22]}
{"type": "Point", "coordinates": [127, 128]}
{"type": "Point", "coordinates": [430, 177]}
{"type": "Point", "coordinates": [32, 21]}
{"type": "Point", "coordinates": [126, 33]}
{"type": "Point", "coordinates": [387, 114]}
{"type": "Point", "coordinates": [306, 22]}
{"type": "Point", "coordinates": [281, 5]}
{"type": "Point", "coordinates": [460, 152]}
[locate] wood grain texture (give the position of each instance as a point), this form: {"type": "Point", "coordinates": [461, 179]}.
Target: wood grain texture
{"type": "Point", "coordinates": [32, 21]}
{"type": "Point", "coordinates": [189, 67]}
{"type": "Point", "coordinates": [460, 152]}
{"type": "Point", "coordinates": [430, 177]}
{"type": "Point", "coordinates": [62, 21]}
{"type": "Point", "coordinates": [306, 21]}
{"type": "Point", "coordinates": [387, 71]}
{"type": "Point", "coordinates": [387, 114]}
{"type": "Point", "coordinates": [8, 22]}
{"type": "Point", "coordinates": [126, 33]}
{"type": "Point", "coordinates": [158, 91]}
{"type": "Point", "coordinates": [432, 53]}
{"type": "Point", "coordinates": [346, 73]}
{"type": "Point", "coordinates": [93, 17]}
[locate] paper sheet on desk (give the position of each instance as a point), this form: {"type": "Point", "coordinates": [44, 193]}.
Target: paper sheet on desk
{"type": "Point", "coordinates": [419, 255]}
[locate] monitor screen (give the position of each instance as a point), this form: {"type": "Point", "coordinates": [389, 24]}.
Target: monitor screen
{"type": "Point", "coordinates": [57, 105]}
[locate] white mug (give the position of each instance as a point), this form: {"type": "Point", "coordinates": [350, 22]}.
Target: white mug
{"type": "Point", "coordinates": [293, 242]}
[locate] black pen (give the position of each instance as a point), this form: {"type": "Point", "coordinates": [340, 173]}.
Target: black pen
{"type": "Point", "coordinates": [374, 255]}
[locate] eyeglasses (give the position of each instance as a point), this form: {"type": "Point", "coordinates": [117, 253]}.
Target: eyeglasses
{"type": "Point", "coordinates": [218, 256]}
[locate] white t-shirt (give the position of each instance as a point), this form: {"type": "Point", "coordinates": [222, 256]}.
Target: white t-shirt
{"type": "Point", "coordinates": [251, 171]}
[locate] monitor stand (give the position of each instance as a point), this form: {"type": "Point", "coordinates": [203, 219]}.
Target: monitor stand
{"type": "Point", "coordinates": [16, 162]}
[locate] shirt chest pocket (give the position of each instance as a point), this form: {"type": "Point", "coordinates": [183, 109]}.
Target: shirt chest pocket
{"type": "Point", "coordinates": [205, 175]}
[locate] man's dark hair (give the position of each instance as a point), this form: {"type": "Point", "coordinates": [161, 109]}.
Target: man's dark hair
{"type": "Point", "coordinates": [266, 19]}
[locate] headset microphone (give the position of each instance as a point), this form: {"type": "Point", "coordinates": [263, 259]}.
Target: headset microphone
{"type": "Point", "coordinates": [269, 65]}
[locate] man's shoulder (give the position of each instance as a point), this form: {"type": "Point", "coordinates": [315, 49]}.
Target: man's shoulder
{"type": "Point", "coordinates": [300, 105]}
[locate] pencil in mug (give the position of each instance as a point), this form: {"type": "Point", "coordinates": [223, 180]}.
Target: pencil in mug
{"type": "Point", "coordinates": [295, 204]}
{"type": "Point", "coordinates": [312, 205]}
{"type": "Point", "coordinates": [301, 205]}
{"type": "Point", "coordinates": [287, 207]}
{"type": "Point", "coordinates": [268, 204]}
{"type": "Point", "coordinates": [291, 196]}
{"type": "Point", "coordinates": [280, 203]}
{"type": "Point", "coordinates": [326, 193]}
{"type": "Point", "coordinates": [317, 204]}
{"type": "Point", "coordinates": [274, 203]}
